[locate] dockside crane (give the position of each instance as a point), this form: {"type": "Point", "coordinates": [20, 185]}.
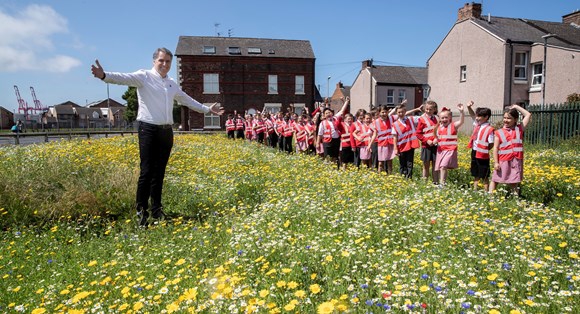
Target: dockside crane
{"type": "Point", "coordinates": [22, 104]}
{"type": "Point", "coordinates": [38, 108]}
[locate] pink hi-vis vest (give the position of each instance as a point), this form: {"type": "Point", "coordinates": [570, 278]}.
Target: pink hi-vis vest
{"type": "Point", "coordinates": [479, 141]}
{"type": "Point", "coordinates": [239, 124]}
{"type": "Point", "coordinates": [447, 137]}
{"type": "Point", "coordinates": [259, 126]}
{"type": "Point", "coordinates": [384, 131]}
{"type": "Point", "coordinates": [345, 136]}
{"type": "Point", "coordinates": [230, 125]}
{"type": "Point", "coordinates": [426, 127]}
{"type": "Point", "coordinates": [300, 132]}
{"type": "Point", "coordinates": [510, 144]}
{"type": "Point", "coordinates": [365, 134]}
{"type": "Point", "coordinates": [328, 128]}
{"type": "Point", "coordinates": [406, 138]}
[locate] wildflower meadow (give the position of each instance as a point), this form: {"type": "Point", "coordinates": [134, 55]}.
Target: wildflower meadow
{"type": "Point", "coordinates": [253, 230]}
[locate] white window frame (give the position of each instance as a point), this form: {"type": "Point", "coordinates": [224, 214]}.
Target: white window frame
{"type": "Point", "coordinates": [211, 83]}
{"type": "Point", "coordinates": [390, 96]}
{"type": "Point", "coordinates": [402, 96]}
{"type": "Point", "coordinates": [273, 84]}
{"type": "Point", "coordinates": [214, 120]}
{"type": "Point", "coordinates": [522, 67]}
{"type": "Point", "coordinates": [209, 50]}
{"type": "Point", "coordinates": [299, 108]}
{"type": "Point", "coordinates": [463, 73]}
{"type": "Point", "coordinates": [537, 77]}
{"type": "Point", "coordinates": [272, 108]}
{"type": "Point", "coordinates": [299, 81]}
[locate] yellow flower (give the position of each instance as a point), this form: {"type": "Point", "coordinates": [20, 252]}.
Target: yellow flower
{"type": "Point", "coordinates": [515, 312]}
{"type": "Point", "coordinates": [64, 291]}
{"type": "Point", "coordinates": [39, 310]}
{"type": "Point", "coordinates": [529, 302]}
{"type": "Point", "coordinates": [92, 263]}
{"type": "Point", "coordinates": [494, 311]}
{"type": "Point", "coordinates": [281, 284]}
{"type": "Point", "coordinates": [315, 288]}
{"type": "Point", "coordinates": [563, 244]}
{"type": "Point", "coordinates": [328, 258]}
{"type": "Point", "coordinates": [325, 308]}
{"type": "Point", "coordinates": [289, 307]}
{"type": "Point", "coordinates": [300, 293]}
{"type": "Point", "coordinates": [263, 293]}
{"type": "Point", "coordinates": [181, 261]}
{"type": "Point", "coordinates": [137, 306]}
{"type": "Point", "coordinates": [424, 288]}
{"type": "Point", "coordinates": [313, 276]}
{"type": "Point", "coordinates": [292, 285]}
{"type": "Point", "coordinates": [286, 270]}
{"type": "Point", "coordinates": [492, 277]}
{"type": "Point", "coordinates": [548, 248]}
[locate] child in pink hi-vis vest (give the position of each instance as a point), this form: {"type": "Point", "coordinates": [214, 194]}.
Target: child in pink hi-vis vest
{"type": "Point", "coordinates": [508, 149]}
{"type": "Point", "coordinates": [447, 142]}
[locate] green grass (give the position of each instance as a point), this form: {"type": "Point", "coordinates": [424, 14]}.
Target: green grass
{"type": "Point", "coordinates": [255, 229]}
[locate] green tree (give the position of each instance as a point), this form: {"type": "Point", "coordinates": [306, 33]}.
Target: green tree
{"type": "Point", "coordinates": [130, 97]}
{"type": "Point", "coordinates": [176, 112]}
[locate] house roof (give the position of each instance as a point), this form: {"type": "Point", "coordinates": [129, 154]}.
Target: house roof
{"type": "Point", "coordinates": [103, 104]}
{"type": "Point", "coordinates": [249, 47]}
{"type": "Point", "coordinates": [88, 111]}
{"type": "Point", "coordinates": [66, 108]}
{"type": "Point", "coordinates": [531, 31]}
{"type": "Point", "coordinates": [400, 75]}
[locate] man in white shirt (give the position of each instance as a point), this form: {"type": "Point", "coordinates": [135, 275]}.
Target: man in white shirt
{"type": "Point", "coordinates": [156, 92]}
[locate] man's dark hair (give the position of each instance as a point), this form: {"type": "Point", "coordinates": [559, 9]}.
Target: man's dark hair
{"type": "Point", "coordinates": [164, 50]}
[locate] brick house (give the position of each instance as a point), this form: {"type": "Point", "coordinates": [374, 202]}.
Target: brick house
{"type": "Point", "coordinates": [6, 118]}
{"type": "Point", "coordinates": [340, 92]}
{"type": "Point", "coordinates": [117, 116]}
{"type": "Point", "coordinates": [497, 61]}
{"type": "Point", "coordinates": [390, 86]}
{"type": "Point", "coordinates": [244, 74]}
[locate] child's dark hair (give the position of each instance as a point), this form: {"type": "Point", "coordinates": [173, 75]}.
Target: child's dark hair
{"type": "Point", "coordinates": [513, 112]}
{"type": "Point", "coordinates": [383, 108]}
{"type": "Point", "coordinates": [402, 106]}
{"type": "Point", "coordinates": [483, 112]}
{"type": "Point", "coordinates": [230, 116]}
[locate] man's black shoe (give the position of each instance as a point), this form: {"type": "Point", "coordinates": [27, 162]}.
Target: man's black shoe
{"type": "Point", "coordinates": [158, 214]}
{"type": "Point", "coordinates": [143, 216]}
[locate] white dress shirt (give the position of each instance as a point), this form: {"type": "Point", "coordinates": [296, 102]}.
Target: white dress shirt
{"type": "Point", "coordinates": [155, 94]}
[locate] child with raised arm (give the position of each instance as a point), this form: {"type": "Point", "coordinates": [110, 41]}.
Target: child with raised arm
{"type": "Point", "coordinates": [481, 142]}
{"type": "Point", "coordinates": [447, 142]}
{"type": "Point", "coordinates": [405, 139]}
{"type": "Point", "coordinates": [426, 128]}
{"type": "Point", "coordinates": [508, 149]}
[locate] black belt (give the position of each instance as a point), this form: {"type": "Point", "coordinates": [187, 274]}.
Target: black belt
{"type": "Point", "coordinates": [157, 126]}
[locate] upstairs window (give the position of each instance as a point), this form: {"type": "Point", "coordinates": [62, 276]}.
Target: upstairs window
{"type": "Point", "coordinates": [211, 83]}
{"type": "Point", "coordinates": [299, 85]}
{"type": "Point", "coordinates": [390, 96]}
{"type": "Point", "coordinates": [537, 74]}
{"type": "Point", "coordinates": [254, 51]}
{"type": "Point", "coordinates": [209, 50]}
{"type": "Point", "coordinates": [402, 95]}
{"type": "Point", "coordinates": [521, 66]}
{"type": "Point", "coordinates": [234, 50]}
{"type": "Point", "coordinates": [272, 84]}
{"type": "Point", "coordinates": [463, 73]}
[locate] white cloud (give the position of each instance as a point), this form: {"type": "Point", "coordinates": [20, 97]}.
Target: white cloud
{"type": "Point", "coordinates": [26, 44]}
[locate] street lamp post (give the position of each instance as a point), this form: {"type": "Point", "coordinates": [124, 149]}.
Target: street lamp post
{"type": "Point", "coordinates": [108, 108]}
{"type": "Point", "coordinates": [327, 87]}
{"type": "Point", "coordinates": [545, 37]}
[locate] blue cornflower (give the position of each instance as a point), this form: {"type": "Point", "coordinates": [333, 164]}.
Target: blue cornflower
{"type": "Point", "coordinates": [386, 307]}
{"type": "Point", "coordinates": [506, 266]}
{"type": "Point", "coordinates": [438, 289]}
{"type": "Point", "coordinates": [240, 252]}
{"type": "Point", "coordinates": [470, 292]}
{"type": "Point", "coordinates": [369, 302]}
{"type": "Point", "coordinates": [465, 305]}
{"type": "Point", "coordinates": [425, 276]}
{"type": "Point", "coordinates": [364, 286]}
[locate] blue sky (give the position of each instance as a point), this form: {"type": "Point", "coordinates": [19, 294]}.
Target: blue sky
{"type": "Point", "coordinates": [50, 45]}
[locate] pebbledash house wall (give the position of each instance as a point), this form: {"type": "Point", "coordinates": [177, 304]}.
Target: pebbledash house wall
{"type": "Point", "coordinates": [562, 73]}
{"type": "Point", "coordinates": [485, 57]}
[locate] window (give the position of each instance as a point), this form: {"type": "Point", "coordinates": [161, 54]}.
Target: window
{"type": "Point", "coordinates": [402, 95]}
{"type": "Point", "coordinates": [300, 84]}
{"type": "Point", "coordinates": [390, 97]}
{"type": "Point", "coordinates": [211, 121]}
{"type": "Point", "coordinates": [299, 108]}
{"type": "Point", "coordinates": [254, 51]}
{"type": "Point", "coordinates": [521, 66]}
{"type": "Point", "coordinates": [537, 74]}
{"type": "Point", "coordinates": [271, 51]}
{"type": "Point", "coordinates": [272, 107]}
{"type": "Point", "coordinates": [463, 73]}
{"type": "Point", "coordinates": [234, 50]}
{"type": "Point", "coordinates": [272, 84]}
{"type": "Point", "coordinates": [209, 49]}
{"type": "Point", "coordinates": [426, 91]}
{"type": "Point", "coordinates": [211, 83]}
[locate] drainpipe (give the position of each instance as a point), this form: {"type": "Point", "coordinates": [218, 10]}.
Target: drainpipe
{"type": "Point", "coordinates": [509, 42]}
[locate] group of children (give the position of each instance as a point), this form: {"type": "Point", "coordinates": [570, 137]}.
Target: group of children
{"type": "Point", "coordinates": [375, 138]}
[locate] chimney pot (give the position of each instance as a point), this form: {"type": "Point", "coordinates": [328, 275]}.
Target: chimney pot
{"type": "Point", "coordinates": [573, 17]}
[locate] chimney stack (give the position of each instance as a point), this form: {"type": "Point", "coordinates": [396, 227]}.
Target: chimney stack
{"type": "Point", "coordinates": [573, 17]}
{"type": "Point", "coordinates": [367, 64]}
{"type": "Point", "coordinates": [469, 10]}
